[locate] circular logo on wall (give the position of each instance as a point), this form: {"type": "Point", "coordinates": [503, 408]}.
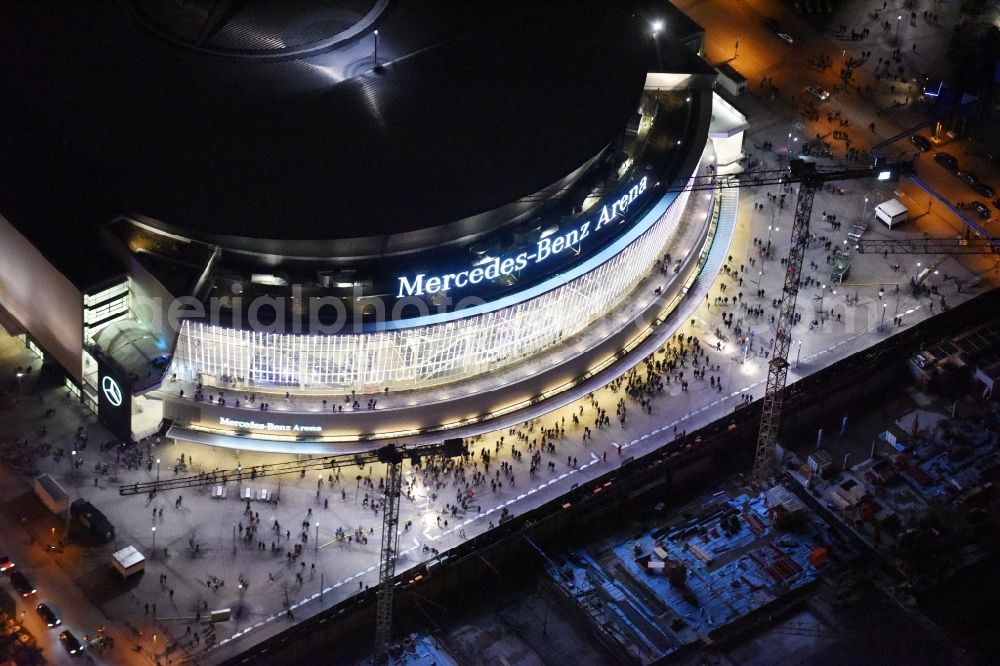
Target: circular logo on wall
{"type": "Point", "coordinates": [112, 391]}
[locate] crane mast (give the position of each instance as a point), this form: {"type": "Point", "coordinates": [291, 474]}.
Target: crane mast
{"type": "Point", "coordinates": [777, 369]}
{"type": "Point", "coordinates": [388, 553]}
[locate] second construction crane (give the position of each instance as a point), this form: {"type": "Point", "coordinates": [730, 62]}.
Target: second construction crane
{"type": "Point", "coordinates": [392, 455]}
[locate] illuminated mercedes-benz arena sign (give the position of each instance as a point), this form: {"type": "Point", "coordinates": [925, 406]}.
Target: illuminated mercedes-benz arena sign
{"type": "Point", "coordinates": [546, 247]}
{"type": "Point", "coordinates": [465, 227]}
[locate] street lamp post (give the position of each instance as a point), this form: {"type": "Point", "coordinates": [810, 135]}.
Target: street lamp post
{"type": "Point", "coordinates": [864, 210]}
{"type": "Point", "coordinates": [797, 355]}
{"type": "Point", "coordinates": [655, 29]}
{"type": "Point", "coordinates": [356, 489]}
{"type": "Point", "coordinates": [234, 538]}
{"type": "Point", "coordinates": [157, 469]}
{"type": "Point", "coordinates": [19, 375]}
{"type": "Point", "coordinates": [316, 545]}
{"type": "Point", "coordinates": [767, 248]}
{"type": "Point", "coordinates": [881, 324]}
{"type": "Point", "coordinates": [898, 19]}
{"type": "Point", "coordinates": [154, 539]}
{"type": "Point", "coordinates": [375, 53]}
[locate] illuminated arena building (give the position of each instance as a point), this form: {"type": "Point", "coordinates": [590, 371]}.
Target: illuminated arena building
{"type": "Point", "coordinates": [450, 217]}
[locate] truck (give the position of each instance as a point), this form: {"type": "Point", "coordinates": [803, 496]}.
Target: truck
{"type": "Point", "coordinates": [51, 493]}
{"type": "Point", "coordinates": [892, 212]}
{"type": "Point", "coordinates": [96, 522]}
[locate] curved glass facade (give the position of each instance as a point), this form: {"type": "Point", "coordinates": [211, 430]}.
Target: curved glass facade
{"type": "Point", "coordinates": [424, 356]}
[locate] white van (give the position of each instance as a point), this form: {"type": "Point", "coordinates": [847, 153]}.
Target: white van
{"type": "Point", "coordinates": [892, 212]}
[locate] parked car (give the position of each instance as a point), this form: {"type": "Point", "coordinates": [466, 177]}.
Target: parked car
{"type": "Point", "coordinates": [980, 208]}
{"type": "Point", "coordinates": [947, 161]}
{"type": "Point", "coordinates": [22, 584]}
{"type": "Point", "coordinates": [6, 564]}
{"type": "Point", "coordinates": [48, 615]}
{"type": "Point", "coordinates": [922, 143]}
{"type": "Point", "coordinates": [818, 93]}
{"type": "Point", "coordinates": [70, 642]}
{"type": "Point", "coordinates": [968, 177]}
{"type": "Point", "coordinates": [785, 36]}
{"type": "Point", "coordinates": [984, 190]}
{"type": "Point", "coordinates": [772, 24]}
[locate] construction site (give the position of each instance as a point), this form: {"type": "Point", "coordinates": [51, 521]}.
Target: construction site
{"type": "Point", "coordinates": [877, 532]}
{"type": "Point", "coordinates": [722, 560]}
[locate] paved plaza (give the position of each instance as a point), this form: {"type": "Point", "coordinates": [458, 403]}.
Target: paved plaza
{"type": "Point", "coordinates": [200, 543]}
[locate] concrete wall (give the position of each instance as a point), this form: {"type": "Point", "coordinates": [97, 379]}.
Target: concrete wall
{"type": "Point", "coordinates": [42, 299]}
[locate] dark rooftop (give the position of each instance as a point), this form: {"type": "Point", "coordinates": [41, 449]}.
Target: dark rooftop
{"type": "Point", "coordinates": [270, 123]}
{"type": "Point", "coordinates": [45, 187]}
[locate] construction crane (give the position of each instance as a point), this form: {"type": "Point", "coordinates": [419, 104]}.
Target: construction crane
{"type": "Point", "coordinates": [392, 455]}
{"type": "Point", "coordinates": [928, 246]}
{"type": "Point", "coordinates": [810, 178]}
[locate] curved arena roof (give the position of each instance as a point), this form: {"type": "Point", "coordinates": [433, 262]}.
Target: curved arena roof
{"type": "Point", "coordinates": [267, 120]}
